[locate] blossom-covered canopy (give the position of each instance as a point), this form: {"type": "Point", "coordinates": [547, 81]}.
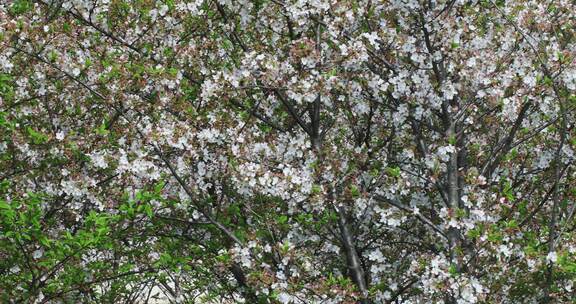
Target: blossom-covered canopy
{"type": "Point", "coordinates": [287, 151]}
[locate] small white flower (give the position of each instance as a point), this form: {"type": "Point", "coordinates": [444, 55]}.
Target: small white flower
{"type": "Point", "coordinates": [163, 10]}
{"type": "Point", "coordinates": [449, 92]}
{"type": "Point", "coordinates": [505, 250]}
{"type": "Point", "coordinates": [376, 256]}
{"type": "Point", "coordinates": [38, 254]}
{"type": "Point", "coordinates": [40, 298]}
{"type": "Point", "coordinates": [284, 298]}
{"type": "Point", "coordinates": [552, 257]}
{"type": "Point", "coordinates": [529, 80]}
{"type": "Point", "coordinates": [387, 295]}
{"type": "Point", "coordinates": [15, 269]}
{"type": "Point", "coordinates": [60, 135]}
{"type": "Point", "coordinates": [98, 160]}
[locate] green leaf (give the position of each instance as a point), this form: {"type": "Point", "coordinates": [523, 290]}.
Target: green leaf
{"type": "Point", "coordinates": [452, 270]}
{"type": "Point", "coordinates": [393, 171]}
{"type": "Point", "coordinates": [5, 205]}
{"type": "Point", "coordinates": [37, 138]}
{"type": "Point", "coordinates": [148, 210]}
{"type": "Point", "coordinates": [354, 191]}
{"type": "Point", "coordinates": [316, 189]}
{"type": "Point", "coordinates": [6, 87]}
{"type": "Point", "coordinates": [283, 219]}
{"type": "Point", "coordinates": [234, 209]}
{"type": "Point", "coordinates": [20, 7]}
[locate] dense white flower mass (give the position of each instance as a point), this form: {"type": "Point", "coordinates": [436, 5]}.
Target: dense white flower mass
{"type": "Point", "coordinates": [287, 151]}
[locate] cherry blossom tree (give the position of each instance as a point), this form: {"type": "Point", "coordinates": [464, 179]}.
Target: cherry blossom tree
{"type": "Point", "coordinates": [270, 151]}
